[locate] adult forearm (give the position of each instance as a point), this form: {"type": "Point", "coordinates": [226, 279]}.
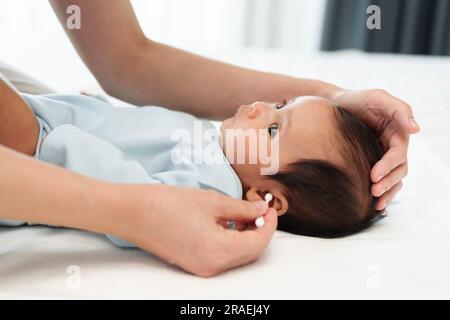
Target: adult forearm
{"type": "Point", "coordinates": [133, 68]}
{"type": "Point", "coordinates": [38, 192]}
{"type": "Point", "coordinates": [180, 80]}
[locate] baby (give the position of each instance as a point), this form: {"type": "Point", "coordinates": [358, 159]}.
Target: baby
{"type": "Point", "coordinates": [320, 187]}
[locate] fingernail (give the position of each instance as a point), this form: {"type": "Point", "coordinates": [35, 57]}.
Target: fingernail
{"type": "Point", "coordinates": [413, 123]}
{"type": "Point", "coordinates": [261, 206]}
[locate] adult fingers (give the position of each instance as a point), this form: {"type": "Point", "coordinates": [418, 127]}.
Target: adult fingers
{"type": "Point", "coordinates": [392, 179]}
{"type": "Point", "coordinates": [247, 245]}
{"type": "Point", "coordinates": [394, 157]}
{"type": "Point", "coordinates": [388, 196]}
{"type": "Point", "coordinates": [240, 210]}
{"type": "Point", "coordinates": [235, 248]}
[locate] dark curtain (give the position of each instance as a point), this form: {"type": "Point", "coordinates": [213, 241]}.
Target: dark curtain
{"type": "Point", "coordinates": [407, 26]}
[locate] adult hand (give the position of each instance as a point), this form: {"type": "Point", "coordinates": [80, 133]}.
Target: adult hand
{"type": "Point", "coordinates": [393, 121]}
{"type": "Point", "coordinates": [182, 226]}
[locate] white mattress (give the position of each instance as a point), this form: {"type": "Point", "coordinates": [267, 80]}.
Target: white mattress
{"type": "Point", "coordinates": [407, 255]}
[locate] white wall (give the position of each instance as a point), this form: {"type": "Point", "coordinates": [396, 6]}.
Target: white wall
{"type": "Point", "coordinates": [32, 39]}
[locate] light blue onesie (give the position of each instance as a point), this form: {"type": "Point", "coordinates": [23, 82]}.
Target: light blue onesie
{"type": "Point", "coordinates": [131, 145]}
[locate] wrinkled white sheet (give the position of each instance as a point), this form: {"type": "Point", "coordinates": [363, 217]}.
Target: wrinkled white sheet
{"type": "Point", "coordinates": [407, 255]}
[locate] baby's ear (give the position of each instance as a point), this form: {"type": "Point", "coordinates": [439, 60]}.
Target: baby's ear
{"type": "Point", "coordinates": [253, 195]}
{"type": "Point", "coordinates": [279, 201]}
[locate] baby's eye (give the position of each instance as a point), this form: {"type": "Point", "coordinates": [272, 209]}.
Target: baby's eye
{"type": "Point", "coordinates": [273, 129]}
{"type": "Point", "coordinates": [281, 105]}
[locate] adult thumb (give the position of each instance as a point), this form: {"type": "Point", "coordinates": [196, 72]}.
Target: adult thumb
{"type": "Point", "coordinates": [242, 210]}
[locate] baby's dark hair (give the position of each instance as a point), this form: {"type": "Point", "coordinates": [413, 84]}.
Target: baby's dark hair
{"type": "Point", "coordinates": [329, 201]}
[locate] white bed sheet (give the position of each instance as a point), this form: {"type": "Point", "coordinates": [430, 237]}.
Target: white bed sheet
{"type": "Point", "coordinates": [407, 255]}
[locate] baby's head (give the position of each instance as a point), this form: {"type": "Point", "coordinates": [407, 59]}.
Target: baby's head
{"type": "Point", "coordinates": [322, 187]}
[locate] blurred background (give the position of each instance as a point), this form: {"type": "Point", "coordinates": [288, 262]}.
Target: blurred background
{"type": "Point", "coordinates": [32, 38]}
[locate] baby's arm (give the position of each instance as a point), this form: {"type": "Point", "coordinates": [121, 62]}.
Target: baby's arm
{"type": "Point", "coordinates": [19, 128]}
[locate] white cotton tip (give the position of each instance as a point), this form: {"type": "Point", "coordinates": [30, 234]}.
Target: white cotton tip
{"type": "Point", "coordinates": [259, 222]}
{"type": "Point", "coordinates": [268, 197]}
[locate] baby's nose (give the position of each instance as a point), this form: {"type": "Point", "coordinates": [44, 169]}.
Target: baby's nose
{"type": "Point", "coordinates": [257, 109]}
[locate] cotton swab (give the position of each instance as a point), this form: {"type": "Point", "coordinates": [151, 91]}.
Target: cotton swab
{"type": "Point", "coordinates": [268, 197]}
{"type": "Point", "coordinates": [259, 222]}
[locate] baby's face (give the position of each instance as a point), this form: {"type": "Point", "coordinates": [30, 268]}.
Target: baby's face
{"type": "Point", "coordinates": [305, 126]}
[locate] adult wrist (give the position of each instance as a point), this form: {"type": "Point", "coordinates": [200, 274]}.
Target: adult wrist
{"type": "Point", "coordinates": [123, 207]}
{"type": "Point", "coordinates": [94, 210]}
{"type": "Point", "coordinates": [111, 207]}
